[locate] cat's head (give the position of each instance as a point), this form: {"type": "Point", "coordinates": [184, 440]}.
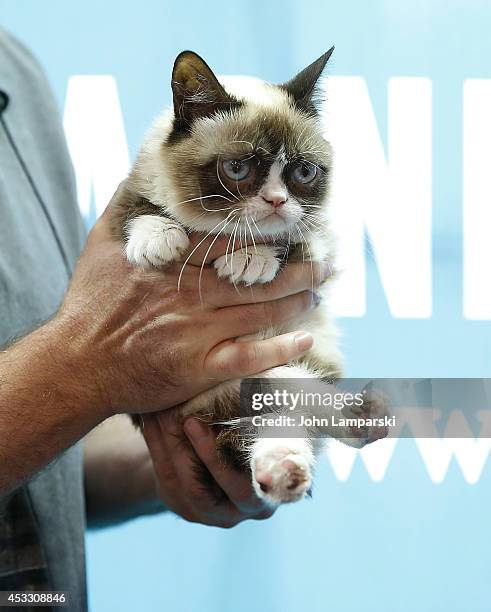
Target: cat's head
{"type": "Point", "coordinates": [241, 154]}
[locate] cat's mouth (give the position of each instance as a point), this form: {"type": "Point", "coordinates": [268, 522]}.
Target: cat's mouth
{"type": "Point", "coordinates": [273, 215]}
{"type": "Point", "coordinates": [274, 224]}
{"type": "Point", "coordinates": [279, 220]}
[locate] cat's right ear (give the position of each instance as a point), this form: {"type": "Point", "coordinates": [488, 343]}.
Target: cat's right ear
{"type": "Point", "coordinates": [196, 90]}
{"type": "Point", "coordinates": [303, 87]}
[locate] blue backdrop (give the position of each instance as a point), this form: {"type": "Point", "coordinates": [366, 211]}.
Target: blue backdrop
{"type": "Point", "coordinates": [397, 539]}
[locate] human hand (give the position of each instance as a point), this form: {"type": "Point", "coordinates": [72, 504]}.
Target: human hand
{"type": "Point", "coordinates": [175, 451]}
{"type": "Point", "coordinates": [136, 344]}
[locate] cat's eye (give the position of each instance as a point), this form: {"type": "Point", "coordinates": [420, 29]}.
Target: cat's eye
{"type": "Point", "coordinates": [304, 173]}
{"type": "Point", "coordinates": [236, 169]}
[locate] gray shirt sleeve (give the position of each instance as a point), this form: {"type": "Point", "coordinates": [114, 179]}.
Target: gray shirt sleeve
{"type": "Point", "coordinates": [41, 235]}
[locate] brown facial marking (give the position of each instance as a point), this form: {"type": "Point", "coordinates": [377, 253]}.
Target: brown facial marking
{"type": "Point", "coordinates": [259, 137]}
{"type": "Point", "coordinates": [305, 191]}
{"type": "Point", "coordinates": [213, 178]}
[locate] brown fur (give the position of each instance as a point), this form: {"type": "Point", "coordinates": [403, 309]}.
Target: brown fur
{"type": "Point", "coordinates": [128, 205]}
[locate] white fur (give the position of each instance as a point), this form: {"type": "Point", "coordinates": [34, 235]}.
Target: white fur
{"type": "Point", "coordinates": [274, 188]}
{"type": "Point", "coordinates": [283, 466]}
{"type": "Point", "coordinates": [154, 240]}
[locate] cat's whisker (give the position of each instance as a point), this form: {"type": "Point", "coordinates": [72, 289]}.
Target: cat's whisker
{"type": "Point", "coordinates": [213, 210]}
{"type": "Point", "coordinates": [300, 135]}
{"type": "Point", "coordinates": [311, 265]}
{"type": "Point", "coordinates": [311, 151]}
{"type": "Point", "coordinates": [213, 195]}
{"type": "Point", "coordinates": [206, 255]}
{"type": "Point", "coordinates": [222, 184]}
{"type": "Point", "coordinates": [306, 203]}
{"type": "Point", "coordinates": [252, 235]}
{"type": "Point", "coordinates": [265, 150]}
{"type": "Point", "coordinates": [248, 158]}
{"type": "Point", "coordinates": [230, 239]}
{"type": "Point", "coordinates": [307, 223]}
{"type": "Point", "coordinates": [301, 244]}
{"type": "Point", "coordinates": [313, 220]}
{"type": "Point", "coordinates": [318, 222]}
{"type": "Point", "coordinates": [201, 198]}
{"type": "Point", "coordinates": [302, 154]}
{"type": "Point", "coordinates": [210, 210]}
{"type": "Point", "coordinates": [310, 256]}
{"type": "Point", "coordinates": [258, 230]}
{"type": "Point", "coordinates": [245, 243]}
{"type": "Point", "coordinates": [244, 142]}
{"type": "Point", "coordinates": [311, 225]}
{"type": "Point", "coordinates": [197, 247]}
{"type": "Point", "coordinates": [240, 238]}
{"type": "Point", "coordinates": [309, 139]}
{"type": "Point", "coordinates": [238, 189]}
{"type": "Point", "coordinates": [304, 225]}
{"type": "Point", "coordinates": [232, 255]}
{"type": "Point", "coordinates": [253, 242]}
{"type": "Point", "coordinates": [317, 213]}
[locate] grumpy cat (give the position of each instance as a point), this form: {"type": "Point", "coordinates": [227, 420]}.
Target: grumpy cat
{"type": "Point", "coordinates": [246, 159]}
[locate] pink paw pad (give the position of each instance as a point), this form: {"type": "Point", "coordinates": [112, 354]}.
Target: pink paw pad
{"type": "Point", "coordinates": [281, 476]}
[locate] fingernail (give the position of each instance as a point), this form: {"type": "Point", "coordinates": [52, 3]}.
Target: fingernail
{"type": "Point", "coordinates": [303, 340]}
{"type": "Point", "coordinates": [195, 429]}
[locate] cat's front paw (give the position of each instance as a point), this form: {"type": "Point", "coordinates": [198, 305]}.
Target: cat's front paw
{"type": "Point", "coordinates": [281, 473]}
{"type": "Point", "coordinates": [155, 241]}
{"type": "Point", "coordinates": [375, 406]}
{"type": "Point", "coordinates": [252, 265]}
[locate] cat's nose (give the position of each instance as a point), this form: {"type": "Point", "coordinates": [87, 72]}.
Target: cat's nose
{"type": "Point", "coordinates": [275, 199]}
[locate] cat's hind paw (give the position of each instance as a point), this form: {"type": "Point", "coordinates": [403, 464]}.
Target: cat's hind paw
{"type": "Point", "coordinates": [155, 241]}
{"type": "Point", "coordinates": [281, 474]}
{"type": "Point", "coordinates": [257, 264]}
{"type": "Point", "coordinates": [375, 406]}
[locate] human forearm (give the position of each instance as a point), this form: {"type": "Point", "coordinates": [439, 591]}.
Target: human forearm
{"type": "Point", "coordinates": [119, 477]}
{"type": "Point", "coordinates": [44, 405]}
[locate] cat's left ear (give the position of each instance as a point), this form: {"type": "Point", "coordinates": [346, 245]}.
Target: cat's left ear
{"type": "Point", "coordinates": [303, 86]}
{"type": "Point", "coordinates": [196, 90]}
